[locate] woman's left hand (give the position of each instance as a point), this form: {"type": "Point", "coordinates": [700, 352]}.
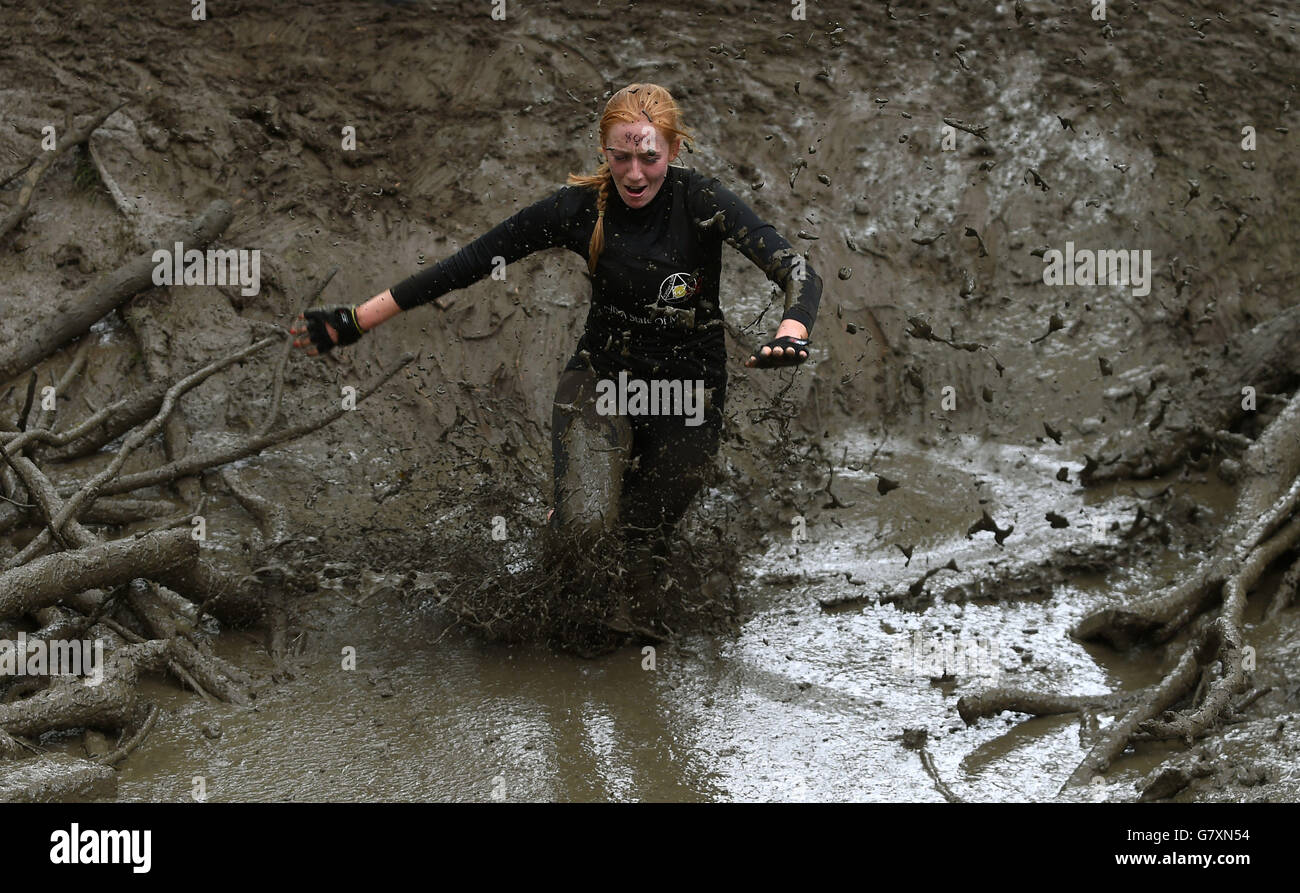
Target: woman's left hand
{"type": "Point", "coordinates": [782, 356]}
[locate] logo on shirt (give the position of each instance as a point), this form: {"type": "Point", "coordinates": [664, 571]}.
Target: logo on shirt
{"type": "Point", "coordinates": [678, 287]}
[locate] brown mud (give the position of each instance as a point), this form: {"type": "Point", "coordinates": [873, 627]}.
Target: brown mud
{"type": "Point", "coordinates": [1124, 134]}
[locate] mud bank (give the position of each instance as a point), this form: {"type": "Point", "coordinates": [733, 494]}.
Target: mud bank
{"type": "Point", "coordinates": [944, 368]}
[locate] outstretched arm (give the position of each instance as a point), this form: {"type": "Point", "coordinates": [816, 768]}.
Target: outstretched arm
{"type": "Point", "coordinates": [538, 226]}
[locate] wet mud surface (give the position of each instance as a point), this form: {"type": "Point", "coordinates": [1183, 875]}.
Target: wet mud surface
{"type": "Point", "coordinates": [804, 687]}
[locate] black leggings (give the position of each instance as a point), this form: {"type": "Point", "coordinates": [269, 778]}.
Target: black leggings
{"type": "Point", "coordinates": [637, 473]}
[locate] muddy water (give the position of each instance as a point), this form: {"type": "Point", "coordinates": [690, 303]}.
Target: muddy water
{"type": "Point", "coordinates": [808, 702]}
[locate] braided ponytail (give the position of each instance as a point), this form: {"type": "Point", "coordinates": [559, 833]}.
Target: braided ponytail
{"type": "Point", "coordinates": [598, 234]}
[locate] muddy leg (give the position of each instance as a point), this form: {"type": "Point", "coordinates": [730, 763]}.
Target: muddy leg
{"type": "Point", "coordinates": [673, 460]}
{"type": "Point", "coordinates": [591, 455]}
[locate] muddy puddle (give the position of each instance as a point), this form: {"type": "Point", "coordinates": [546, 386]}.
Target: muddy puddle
{"type": "Point", "coordinates": [808, 703]}
{"type": "Point", "coordinates": [832, 127]}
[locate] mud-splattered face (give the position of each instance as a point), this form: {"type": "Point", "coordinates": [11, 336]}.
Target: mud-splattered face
{"type": "Point", "coordinates": [638, 159]}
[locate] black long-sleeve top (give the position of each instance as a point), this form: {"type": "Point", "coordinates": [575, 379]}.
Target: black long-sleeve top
{"type": "Point", "coordinates": [654, 294]}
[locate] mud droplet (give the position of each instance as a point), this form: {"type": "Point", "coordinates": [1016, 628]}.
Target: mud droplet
{"type": "Point", "coordinates": [986, 522]}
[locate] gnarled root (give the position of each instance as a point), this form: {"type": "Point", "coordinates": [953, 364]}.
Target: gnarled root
{"type": "Point", "coordinates": [111, 705]}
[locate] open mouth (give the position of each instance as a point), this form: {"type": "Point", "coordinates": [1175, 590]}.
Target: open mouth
{"type": "Point", "coordinates": [637, 192]}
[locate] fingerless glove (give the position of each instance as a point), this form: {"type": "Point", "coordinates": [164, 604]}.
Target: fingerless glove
{"type": "Point", "coordinates": [343, 320]}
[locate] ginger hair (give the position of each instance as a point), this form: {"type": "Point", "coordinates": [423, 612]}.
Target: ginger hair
{"type": "Point", "coordinates": [629, 105]}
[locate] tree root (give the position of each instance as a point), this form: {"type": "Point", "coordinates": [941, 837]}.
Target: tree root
{"type": "Point", "coordinates": [915, 739]}
{"type": "Point", "coordinates": [1217, 649]}
{"type": "Point", "coordinates": [992, 701]}
{"type": "Point", "coordinates": [269, 516]}
{"type": "Point", "coordinates": [114, 757]}
{"type": "Point", "coordinates": [142, 596]}
{"type": "Point", "coordinates": [248, 446]}
{"type": "Point", "coordinates": [1259, 510]}
{"type": "Point", "coordinates": [211, 672]}
{"type": "Point", "coordinates": [1286, 591]}
{"type": "Point", "coordinates": [1264, 357]}
{"type": "Point", "coordinates": [277, 389]}
{"type": "Point", "coordinates": [108, 424]}
{"type": "Point", "coordinates": [49, 328]}
{"type": "Point", "coordinates": [46, 580]}
{"type": "Point", "coordinates": [1116, 737]}
{"type": "Point", "coordinates": [42, 163]}
{"type": "Point", "coordinates": [153, 347]}
{"type": "Point", "coordinates": [90, 490]}
{"type": "Point", "coordinates": [111, 705]}
{"type": "Point", "coordinates": [1212, 670]}
{"type": "Point", "coordinates": [55, 778]}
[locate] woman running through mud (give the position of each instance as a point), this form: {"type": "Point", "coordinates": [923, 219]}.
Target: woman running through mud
{"type": "Point", "coordinates": [637, 417]}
